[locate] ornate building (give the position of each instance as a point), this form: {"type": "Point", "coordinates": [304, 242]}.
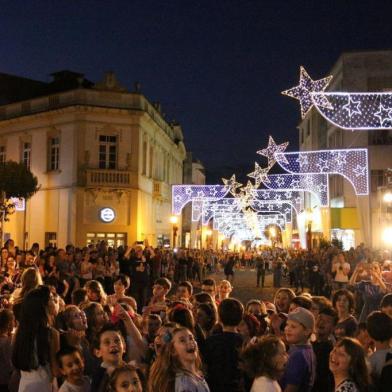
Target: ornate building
{"type": "Point", "coordinates": [104, 157]}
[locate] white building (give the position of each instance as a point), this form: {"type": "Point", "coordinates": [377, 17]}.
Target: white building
{"type": "Point", "coordinates": [104, 157]}
{"type": "Point", "coordinates": [350, 218]}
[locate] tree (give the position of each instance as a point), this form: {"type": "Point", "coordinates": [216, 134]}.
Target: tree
{"type": "Point", "coordinates": [16, 180]}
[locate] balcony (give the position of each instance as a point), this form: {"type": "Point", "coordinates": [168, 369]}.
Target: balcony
{"type": "Point", "coordinates": [109, 178]}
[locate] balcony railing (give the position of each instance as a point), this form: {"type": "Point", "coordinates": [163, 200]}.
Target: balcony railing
{"type": "Point", "coordinates": [105, 177]}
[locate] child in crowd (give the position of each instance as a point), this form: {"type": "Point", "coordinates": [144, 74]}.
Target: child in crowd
{"type": "Point", "coordinates": [224, 290]}
{"type": "Point", "coordinates": [159, 303]}
{"type": "Point", "coordinates": [110, 348]}
{"type": "Point", "coordinates": [71, 365]}
{"type": "Point", "coordinates": [209, 286]}
{"type": "Point", "coordinates": [386, 304]}
{"type": "Point", "coordinates": [265, 361]}
{"type": "Point", "coordinates": [379, 327]}
{"type": "Point", "coordinates": [325, 325]}
{"type": "Point", "coordinates": [126, 378]}
{"type": "Point", "coordinates": [178, 368]}
{"type": "Point", "coordinates": [184, 292]}
{"type": "Point", "coordinates": [300, 371]}
{"type": "Point", "coordinates": [121, 284]}
{"type": "Point", "coordinates": [363, 337]}
{"type": "Point", "coordinates": [152, 325]}
{"type": "Point", "coordinates": [221, 351]}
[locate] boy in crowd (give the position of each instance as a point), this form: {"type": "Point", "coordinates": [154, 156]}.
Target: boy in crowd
{"type": "Point", "coordinates": [386, 304]}
{"type": "Point", "coordinates": [209, 286]}
{"type": "Point", "coordinates": [159, 303]}
{"type": "Point", "coordinates": [379, 327]}
{"type": "Point", "coordinates": [184, 292]}
{"type": "Point", "coordinates": [109, 347]}
{"type": "Point", "coordinates": [71, 365]}
{"type": "Point", "coordinates": [221, 351]}
{"type": "Point", "coordinates": [300, 370]}
{"type": "Point", "coordinates": [325, 325]}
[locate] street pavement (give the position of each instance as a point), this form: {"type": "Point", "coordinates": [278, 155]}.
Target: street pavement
{"type": "Point", "coordinates": [245, 285]}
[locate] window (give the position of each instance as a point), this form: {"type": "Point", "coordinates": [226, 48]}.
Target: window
{"type": "Point", "coordinates": [107, 152]}
{"type": "Point", "coordinates": [26, 154]}
{"type": "Point", "coordinates": [380, 137]}
{"type": "Point", "coordinates": [54, 153]}
{"type": "Point", "coordinates": [151, 161]}
{"type": "Point", "coordinates": [2, 154]}
{"type": "Point", "coordinates": [144, 157]}
{"type": "Point", "coordinates": [378, 178]}
{"type": "Point", "coordinates": [51, 239]}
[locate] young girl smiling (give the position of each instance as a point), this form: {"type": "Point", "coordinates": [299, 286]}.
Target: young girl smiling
{"type": "Point", "coordinates": [178, 367]}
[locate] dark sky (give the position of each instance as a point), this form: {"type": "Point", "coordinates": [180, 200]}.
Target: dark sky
{"type": "Point", "coordinates": [216, 66]}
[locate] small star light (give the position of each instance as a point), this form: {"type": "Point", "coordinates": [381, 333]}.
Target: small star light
{"type": "Point", "coordinates": [259, 174]}
{"type": "Point", "coordinates": [384, 115]}
{"type": "Point", "coordinates": [352, 106]}
{"type": "Point", "coordinates": [271, 150]}
{"type": "Point", "coordinates": [232, 184]}
{"type": "Point", "coordinates": [303, 91]}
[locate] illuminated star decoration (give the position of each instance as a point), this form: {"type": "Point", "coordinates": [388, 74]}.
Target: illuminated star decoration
{"type": "Point", "coordinates": [384, 115]}
{"type": "Point", "coordinates": [259, 174]}
{"type": "Point", "coordinates": [271, 150]}
{"type": "Point", "coordinates": [232, 184]}
{"type": "Point", "coordinates": [306, 87]}
{"type": "Point", "coordinates": [352, 106]}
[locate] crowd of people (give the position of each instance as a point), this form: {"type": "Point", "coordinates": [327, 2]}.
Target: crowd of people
{"type": "Point", "coordinates": [153, 320]}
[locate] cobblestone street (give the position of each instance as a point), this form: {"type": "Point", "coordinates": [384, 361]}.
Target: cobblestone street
{"type": "Point", "coordinates": [245, 285]}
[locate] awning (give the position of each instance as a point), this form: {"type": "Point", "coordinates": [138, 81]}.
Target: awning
{"type": "Point", "coordinates": [344, 218]}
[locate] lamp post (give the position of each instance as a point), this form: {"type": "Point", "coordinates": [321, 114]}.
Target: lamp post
{"type": "Point", "coordinates": [309, 219]}
{"type": "Point", "coordinates": [272, 232]}
{"type": "Point", "coordinates": [174, 221]}
{"type": "Point", "coordinates": [208, 238]}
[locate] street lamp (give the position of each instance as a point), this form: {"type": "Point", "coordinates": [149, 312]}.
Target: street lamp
{"type": "Point", "coordinates": [309, 219]}
{"type": "Point", "coordinates": [388, 197]}
{"type": "Point", "coordinates": [208, 237]}
{"type": "Point", "coordinates": [387, 236]}
{"type": "Point", "coordinates": [272, 232]}
{"type": "Point", "coordinates": [174, 221]}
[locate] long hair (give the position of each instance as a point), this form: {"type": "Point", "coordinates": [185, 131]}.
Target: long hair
{"type": "Point", "coordinates": [257, 358]}
{"type": "Point", "coordinates": [32, 335]}
{"type": "Point", "coordinates": [31, 279]}
{"type": "Point", "coordinates": [358, 370]}
{"type": "Point", "coordinates": [163, 371]}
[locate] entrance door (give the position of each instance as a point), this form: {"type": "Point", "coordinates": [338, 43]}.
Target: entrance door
{"type": "Point", "coordinates": [112, 239]}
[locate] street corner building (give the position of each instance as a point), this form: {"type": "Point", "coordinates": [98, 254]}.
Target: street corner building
{"type": "Point", "coordinates": [105, 159]}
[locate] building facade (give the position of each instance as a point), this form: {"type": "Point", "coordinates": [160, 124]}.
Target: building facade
{"type": "Point", "coordinates": [105, 159]}
{"type": "Point", "coordinates": [350, 218]}
{"type": "Point", "coordinates": [194, 173]}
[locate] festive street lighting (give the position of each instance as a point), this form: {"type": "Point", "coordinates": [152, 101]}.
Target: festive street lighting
{"type": "Point", "coordinates": [387, 236]}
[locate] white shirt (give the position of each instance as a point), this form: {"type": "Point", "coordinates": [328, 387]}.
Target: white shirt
{"type": "Point", "coordinates": [265, 384]}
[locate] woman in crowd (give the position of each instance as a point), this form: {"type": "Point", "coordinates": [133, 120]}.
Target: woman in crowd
{"type": "Point", "coordinates": [348, 366]}
{"type": "Point", "coordinates": [343, 302]}
{"type": "Point", "coordinates": [36, 343]}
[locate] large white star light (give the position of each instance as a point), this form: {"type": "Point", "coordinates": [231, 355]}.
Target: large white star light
{"type": "Point", "coordinates": [306, 87]}
{"type": "Point", "coordinates": [231, 184]}
{"type": "Point", "coordinates": [259, 175]}
{"type": "Point", "coordinates": [271, 150]}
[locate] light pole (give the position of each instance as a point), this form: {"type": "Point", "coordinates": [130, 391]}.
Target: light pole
{"type": "Point", "coordinates": [174, 221]}
{"type": "Point", "coordinates": [272, 232]}
{"type": "Point", "coordinates": [309, 219]}
{"type": "Point", "coordinates": [208, 238]}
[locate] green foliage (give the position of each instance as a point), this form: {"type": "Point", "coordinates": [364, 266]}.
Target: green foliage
{"type": "Point", "coordinates": [17, 181]}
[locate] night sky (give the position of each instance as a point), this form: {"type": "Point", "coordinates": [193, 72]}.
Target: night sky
{"type": "Point", "coordinates": [217, 67]}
